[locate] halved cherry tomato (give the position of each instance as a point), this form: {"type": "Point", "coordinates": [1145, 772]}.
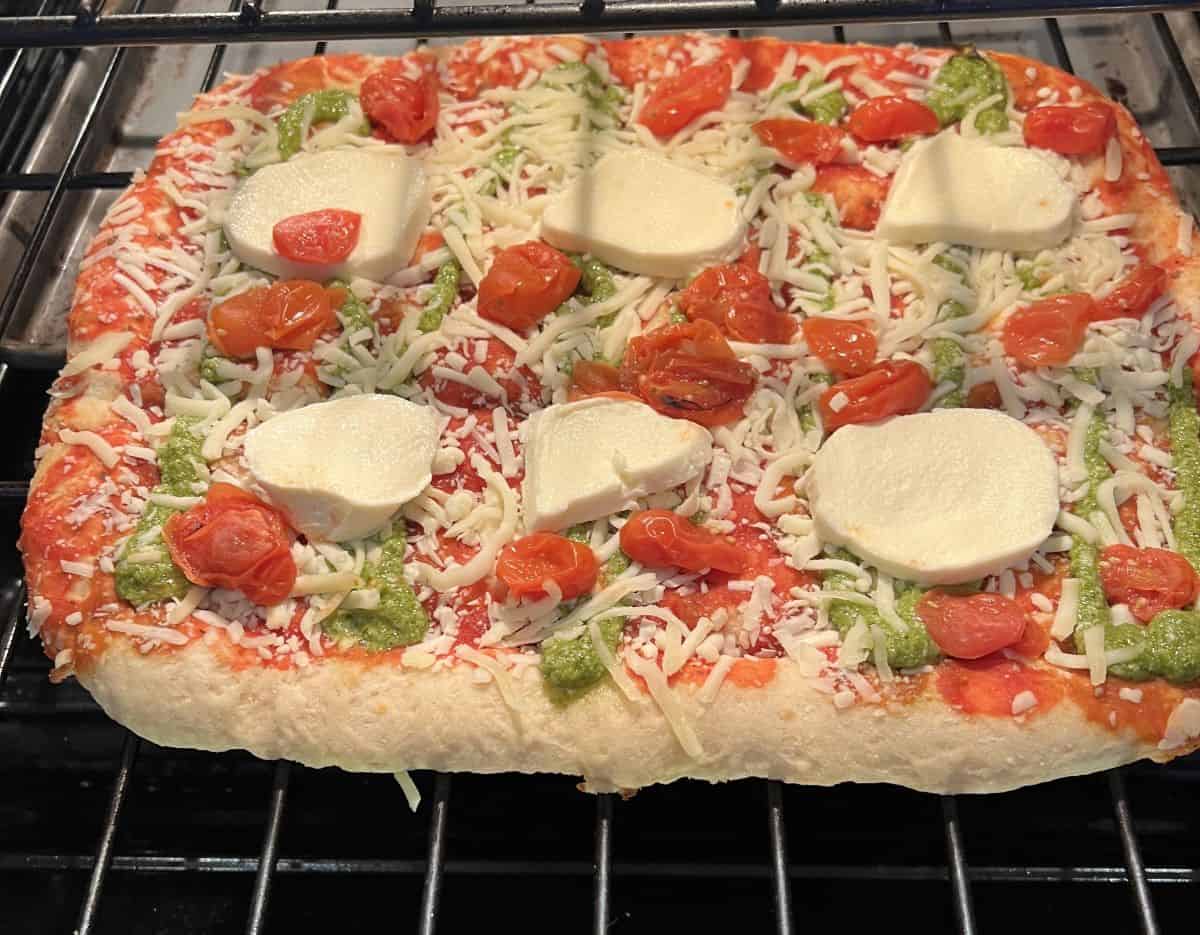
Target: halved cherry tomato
{"type": "Point", "coordinates": [891, 117]}
{"type": "Point", "coordinates": [591, 378]}
{"type": "Point", "coordinates": [1048, 332]}
{"type": "Point", "coordinates": [765, 57]}
{"type": "Point", "coordinates": [662, 539]}
{"type": "Point", "coordinates": [859, 194]}
{"type": "Point", "coordinates": [233, 540]}
{"type": "Point", "coordinates": [528, 563]}
{"type": "Point", "coordinates": [688, 371]}
{"type": "Point", "coordinates": [526, 283]}
{"type": "Point", "coordinates": [295, 313]}
{"type": "Point", "coordinates": [679, 99]}
{"type": "Point", "coordinates": [319, 237]}
{"type": "Point", "coordinates": [971, 626]}
{"type": "Point", "coordinates": [801, 140]}
{"type": "Point", "coordinates": [737, 299]}
{"type": "Point", "coordinates": [289, 314]}
{"type": "Point", "coordinates": [845, 347]}
{"type": "Point", "coordinates": [984, 396]}
{"type": "Point", "coordinates": [1148, 580]}
{"type": "Point", "coordinates": [1133, 294]}
{"type": "Point", "coordinates": [406, 109]}
{"type": "Point", "coordinates": [895, 387]}
{"type": "Point", "coordinates": [1070, 130]}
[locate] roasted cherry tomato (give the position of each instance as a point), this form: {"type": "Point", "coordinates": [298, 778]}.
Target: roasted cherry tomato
{"type": "Point", "coordinates": [528, 563]}
{"type": "Point", "coordinates": [233, 540]}
{"type": "Point", "coordinates": [688, 371]}
{"type": "Point", "coordinates": [289, 314]}
{"type": "Point", "coordinates": [318, 237]}
{"type": "Point", "coordinates": [984, 396]}
{"type": "Point", "coordinates": [406, 109]}
{"type": "Point", "coordinates": [662, 539]}
{"type": "Point", "coordinates": [235, 326]}
{"type": "Point", "coordinates": [765, 57]}
{"type": "Point", "coordinates": [859, 194]}
{"type": "Point", "coordinates": [895, 387]}
{"type": "Point", "coordinates": [845, 347]}
{"type": "Point", "coordinates": [971, 626]}
{"type": "Point", "coordinates": [737, 299]}
{"type": "Point", "coordinates": [591, 378]}
{"type": "Point", "coordinates": [892, 117]}
{"type": "Point", "coordinates": [801, 140]}
{"type": "Point", "coordinates": [525, 284]}
{"type": "Point", "coordinates": [1133, 294]}
{"type": "Point", "coordinates": [1048, 332]}
{"type": "Point", "coordinates": [679, 99]}
{"type": "Point", "coordinates": [1148, 580]}
{"type": "Point", "coordinates": [1073, 130]}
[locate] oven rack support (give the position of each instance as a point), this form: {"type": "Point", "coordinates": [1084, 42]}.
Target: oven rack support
{"type": "Point", "coordinates": [245, 21]}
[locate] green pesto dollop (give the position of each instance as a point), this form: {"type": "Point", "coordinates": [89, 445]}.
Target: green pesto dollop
{"type": "Point", "coordinates": [208, 368]}
{"type": "Point", "coordinates": [949, 359]}
{"type": "Point", "coordinates": [442, 296]}
{"type": "Point", "coordinates": [1184, 426]}
{"type": "Point", "coordinates": [399, 620]}
{"type": "Point", "coordinates": [179, 461]}
{"type": "Point", "coordinates": [616, 564]}
{"type": "Point", "coordinates": [354, 313]}
{"type": "Point", "coordinates": [964, 81]}
{"type": "Point", "coordinates": [318, 107]}
{"type": "Point", "coordinates": [906, 649]}
{"type": "Point", "coordinates": [501, 165]}
{"type": "Point", "coordinates": [1173, 645]}
{"type": "Point", "coordinates": [828, 108]}
{"type": "Point", "coordinates": [571, 667]}
{"type": "Point", "coordinates": [808, 416]}
{"type": "Point", "coordinates": [596, 284]}
{"type": "Point", "coordinates": [1085, 556]}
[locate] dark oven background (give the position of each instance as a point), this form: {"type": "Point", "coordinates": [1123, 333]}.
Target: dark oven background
{"type": "Point", "coordinates": [102, 833]}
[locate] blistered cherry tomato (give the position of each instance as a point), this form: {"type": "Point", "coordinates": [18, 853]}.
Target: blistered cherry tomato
{"type": "Point", "coordinates": [1072, 130]}
{"type": "Point", "coordinates": [801, 140]}
{"type": "Point", "coordinates": [688, 371]}
{"type": "Point", "coordinates": [1148, 580]}
{"type": "Point", "coordinates": [662, 539]}
{"type": "Point", "coordinates": [971, 626]}
{"type": "Point", "coordinates": [526, 283]}
{"type": "Point", "coordinates": [891, 117]}
{"type": "Point", "coordinates": [528, 563]}
{"type": "Point", "coordinates": [235, 326]}
{"type": "Point", "coordinates": [591, 378]}
{"type": "Point", "coordinates": [318, 237]}
{"type": "Point", "coordinates": [233, 540]}
{"type": "Point", "coordinates": [679, 99]}
{"type": "Point", "coordinates": [1133, 294]}
{"type": "Point", "coordinates": [984, 396]}
{"type": "Point", "coordinates": [289, 314]}
{"type": "Point", "coordinates": [1048, 332]}
{"type": "Point", "coordinates": [846, 347]}
{"type": "Point", "coordinates": [737, 299]}
{"type": "Point", "coordinates": [859, 194]}
{"type": "Point", "coordinates": [893, 388]}
{"type": "Point", "coordinates": [406, 109]}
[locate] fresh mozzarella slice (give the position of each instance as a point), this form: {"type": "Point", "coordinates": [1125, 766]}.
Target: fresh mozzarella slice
{"type": "Point", "coordinates": [646, 215]}
{"type": "Point", "coordinates": [383, 184]}
{"type": "Point", "coordinates": [965, 190]}
{"type": "Point", "coordinates": [587, 459]}
{"type": "Point", "coordinates": [340, 469]}
{"type": "Point", "coordinates": [937, 498]}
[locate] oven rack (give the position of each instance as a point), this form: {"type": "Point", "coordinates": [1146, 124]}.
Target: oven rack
{"type": "Point", "coordinates": [42, 44]}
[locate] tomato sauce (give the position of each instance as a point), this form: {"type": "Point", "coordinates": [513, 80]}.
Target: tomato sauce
{"type": "Point", "coordinates": [989, 685]}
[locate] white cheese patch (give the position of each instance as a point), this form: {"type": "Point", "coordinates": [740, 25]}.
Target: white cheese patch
{"type": "Point", "coordinates": [938, 498]}
{"type": "Point", "coordinates": [964, 190]}
{"type": "Point", "coordinates": [340, 469]}
{"type": "Point", "coordinates": [646, 215]}
{"type": "Point", "coordinates": [587, 459]}
{"type": "Point", "coordinates": [383, 184]}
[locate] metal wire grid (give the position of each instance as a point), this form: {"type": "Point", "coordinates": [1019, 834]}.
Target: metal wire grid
{"type": "Point", "coordinates": [85, 26]}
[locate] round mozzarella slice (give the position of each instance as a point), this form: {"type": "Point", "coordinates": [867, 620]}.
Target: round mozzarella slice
{"type": "Point", "coordinates": [382, 184]}
{"type": "Point", "coordinates": [937, 498]}
{"type": "Point", "coordinates": [644, 214]}
{"type": "Point", "coordinates": [341, 469]}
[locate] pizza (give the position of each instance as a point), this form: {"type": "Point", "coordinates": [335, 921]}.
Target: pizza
{"type": "Point", "coordinates": [669, 407]}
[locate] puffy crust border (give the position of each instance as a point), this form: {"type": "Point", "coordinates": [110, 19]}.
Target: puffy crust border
{"type": "Point", "coordinates": [381, 717]}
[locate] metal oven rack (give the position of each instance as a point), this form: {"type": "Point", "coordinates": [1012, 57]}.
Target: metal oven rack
{"type": "Point", "coordinates": [196, 842]}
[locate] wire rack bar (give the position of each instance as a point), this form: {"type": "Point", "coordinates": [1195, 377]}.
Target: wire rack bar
{"type": "Point", "coordinates": [602, 891]}
{"type": "Point", "coordinates": [434, 866]}
{"type": "Point", "coordinates": [426, 19]}
{"type": "Point", "coordinates": [779, 861]}
{"type": "Point", "coordinates": [108, 834]}
{"type": "Point", "coordinates": [1061, 55]}
{"type": "Point", "coordinates": [957, 866]}
{"type": "Point", "coordinates": [268, 856]}
{"type": "Point", "coordinates": [1191, 94]}
{"type": "Point", "coordinates": [11, 627]}
{"type": "Point", "coordinates": [1133, 854]}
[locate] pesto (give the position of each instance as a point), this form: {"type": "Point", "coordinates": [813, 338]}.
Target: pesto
{"type": "Point", "coordinates": [596, 284]}
{"type": "Point", "coordinates": [1184, 426]}
{"type": "Point", "coordinates": [1085, 556]}
{"type": "Point", "coordinates": [571, 667]}
{"type": "Point", "coordinates": [354, 313]}
{"type": "Point", "coordinates": [617, 563]}
{"type": "Point", "coordinates": [808, 417]}
{"type": "Point", "coordinates": [399, 620]}
{"type": "Point", "coordinates": [441, 298]}
{"type": "Point", "coordinates": [828, 108]}
{"type": "Point", "coordinates": [315, 107]}
{"type": "Point", "coordinates": [1173, 646]}
{"type": "Point", "coordinates": [966, 79]}
{"type": "Point", "coordinates": [949, 359]}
